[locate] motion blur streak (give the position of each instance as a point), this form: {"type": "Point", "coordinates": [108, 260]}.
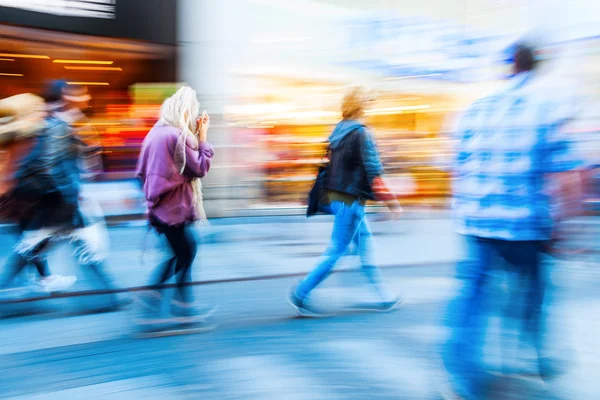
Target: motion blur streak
{"type": "Point", "coordinates": [443, 126]}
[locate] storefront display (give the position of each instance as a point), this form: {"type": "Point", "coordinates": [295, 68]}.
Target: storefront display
{"type": "Point", "coordinates": [408, 128]}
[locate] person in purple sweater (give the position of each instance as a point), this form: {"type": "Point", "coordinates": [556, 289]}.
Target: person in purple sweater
{"type": "Point", "coordinates": [174, 156]}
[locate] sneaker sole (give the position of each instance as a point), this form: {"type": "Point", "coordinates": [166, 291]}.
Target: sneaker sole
{"type": "Point", "coordinates": [173, 330]}
{"type": "Point", "coordinates": [145, 305]}
{"type": "Point", "coordinates": [42, 289]}
{"type": "Point", "coordinates": [374, 308]}
{"type": "Point", "coordinates": [305, 313]}
{"type": "Point", "coordinates": [195, 318]}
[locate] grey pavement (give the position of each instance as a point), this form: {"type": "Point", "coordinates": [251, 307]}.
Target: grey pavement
{"type": "Point", "coordinates": [261, 351]}
{"type": "Point", "coordinates": [253, 247]}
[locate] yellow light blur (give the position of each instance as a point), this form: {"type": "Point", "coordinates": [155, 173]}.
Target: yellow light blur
{"type": "Point", "coordinates": [89, 83]}
{"type": "Point", "coordinates": [35, 56]}
{"type": "Point", "coordinates": [70, 67]}
{"type": "Point", "coordinates": [396, 110]}
{"type": "Point", "coordinates": [103, 123]}
{"type": "Point", "coordinates": [83, 62]}
{"type": "Point", "coordinates": [6, 74]}
{"type": "Point", "coordinates": [7, 59]}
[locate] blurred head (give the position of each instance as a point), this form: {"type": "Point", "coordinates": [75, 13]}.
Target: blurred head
{"type": "Point", "coordinates": [53, 93]}
{"type": "Point", "coordinates": [59, 94]}
{"type": "Point", "coordinates": [355, 103]}
{"type": "Point", "coordinates": [524, 58]}
{"type": "Point", "coordinates": [181, 110]}
{"type": "Point", "coordinates": [76, 96]}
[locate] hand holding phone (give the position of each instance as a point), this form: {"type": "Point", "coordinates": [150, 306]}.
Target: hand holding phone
{"type": "Point", "coordinates": [203, 124]}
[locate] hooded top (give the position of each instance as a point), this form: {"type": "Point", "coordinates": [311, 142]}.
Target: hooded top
{"type": "Point", "coordinates": [354, 160]}
{"type": "Point", "coordinates": [170, 194]}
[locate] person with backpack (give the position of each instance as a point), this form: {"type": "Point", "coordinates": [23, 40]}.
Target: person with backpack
{"type": "Point", "coordinates": [353, 177]}
{"type": "Point", "coordinates": [69, 103]}
{"type": "Point", "coordinates": [175, 155]}
{"type": "Point", "coordinates": [22, 123]}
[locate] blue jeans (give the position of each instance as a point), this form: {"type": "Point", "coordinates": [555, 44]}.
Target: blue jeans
{"type": "Point", "coordinates": [349, 226]}
{"type": "Point", "coordinates": [467, 316]}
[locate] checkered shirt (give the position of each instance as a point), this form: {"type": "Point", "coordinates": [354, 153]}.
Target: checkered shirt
{"type": "Point", "coordinates": [508, 144]}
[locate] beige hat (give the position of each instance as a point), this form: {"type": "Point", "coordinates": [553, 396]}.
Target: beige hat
{"type": "Point", "coordinates": [21, 116]}
{"type": "Point", "coordinates": [21, 104]}
{"type": "Point", "coordinates": [76, 94]}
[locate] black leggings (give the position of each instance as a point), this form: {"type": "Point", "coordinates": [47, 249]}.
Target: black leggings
{"type": "Point", "coordinates": [184, 246]}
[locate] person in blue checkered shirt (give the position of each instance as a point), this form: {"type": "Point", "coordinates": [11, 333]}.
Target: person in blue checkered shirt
{"type": "Point", "coordinates": [511, 145]}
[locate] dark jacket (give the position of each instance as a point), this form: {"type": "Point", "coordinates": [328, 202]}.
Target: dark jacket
{"type": "Point", "coordinates": [21, 119]}
{"type": "Point", "coordinates": [49, 176]}
{"type": "Point", "coordinates": [354, 161]}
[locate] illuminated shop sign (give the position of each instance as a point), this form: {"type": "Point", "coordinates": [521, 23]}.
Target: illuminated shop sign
{"type": "Point", "coordinates": [71, 8]}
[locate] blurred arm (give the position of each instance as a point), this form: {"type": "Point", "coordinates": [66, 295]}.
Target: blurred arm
{"type": "Point", "coordinates": [384, 194]}
{"type": "Point", "coordinates": [566, 169]}
{"type": "Point", "coordinates": [198, 161]}
{"type": "Point", "coordinates": [374, 170]}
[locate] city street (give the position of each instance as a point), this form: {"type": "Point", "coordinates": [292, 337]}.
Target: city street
{"type": "Point", "coordinates": [260, 349]}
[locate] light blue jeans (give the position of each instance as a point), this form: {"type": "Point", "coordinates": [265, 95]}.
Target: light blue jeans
{"type": "Point", "coordinates": [467, 313]}
{"type": "Point", "coordinates": [349, 226]}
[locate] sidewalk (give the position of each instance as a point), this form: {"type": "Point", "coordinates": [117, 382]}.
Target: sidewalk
{"type": "Point", "coordinates": [245, 248]}
{"type": "Point", "coordinates": [242, 248]}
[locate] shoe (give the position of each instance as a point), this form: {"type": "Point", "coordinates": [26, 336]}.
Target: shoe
{"type": "Point", "coordinates": [381, 306]}
{"type": "Point", "coordinates": [447, 392]}
{"type": "Point", "coordinates": [117, 304]}
{"type": "Point", "coordinates": [56, 283]}
{"type": "Point", "coordinates": [150, 303]}
{"type": "Point", "coordinates": [300, 305]}
{"type": "Point", "coordinates": [550, 369]}
{"type": "Point", "coordinates": [445, 386]}
{"type": "Point", "coordinates": [389, 305]}
{"type": "Point", "coordinates": [189, 312]}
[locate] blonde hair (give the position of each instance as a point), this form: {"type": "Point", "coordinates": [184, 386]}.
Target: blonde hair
{"type": "Point", "coordinates": [181, 110]}
{"type": "Point", "coordinates": [354, 103]}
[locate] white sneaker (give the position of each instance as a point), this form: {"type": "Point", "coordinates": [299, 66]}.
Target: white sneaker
{"type": "Point", "coordinates": [56, 283]}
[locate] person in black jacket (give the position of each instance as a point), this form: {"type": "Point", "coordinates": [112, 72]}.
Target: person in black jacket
{"type": "Point", "coordinates": [354, 176]}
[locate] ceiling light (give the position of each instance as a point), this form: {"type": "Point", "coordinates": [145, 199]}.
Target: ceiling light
{"type": "Point", "coordinates": [89, 83]}
{"type": "Point", "coordinates": [70, 67]}
{"type": "Point", "coordinates": [24, 56]}
{"type": "Point", "coordinates": [83, 62]}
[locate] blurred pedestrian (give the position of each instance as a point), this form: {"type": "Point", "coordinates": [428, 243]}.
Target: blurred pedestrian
{"type": "Point", "coordinates": [511, 147]}
{"type": "Point", "coordinates": [69, 103]}
{"type": "Point", "coordinates": [353, 177]}
{"type": "Point", "coordinates": [175, 155]}
{"type": "Point", "coordinates": [49, 177]}
{"type": "Point", "coordinates": [23, 124]}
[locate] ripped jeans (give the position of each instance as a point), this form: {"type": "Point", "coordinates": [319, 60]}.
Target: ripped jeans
{"type": "Point", "coordinates": [90, 243]}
